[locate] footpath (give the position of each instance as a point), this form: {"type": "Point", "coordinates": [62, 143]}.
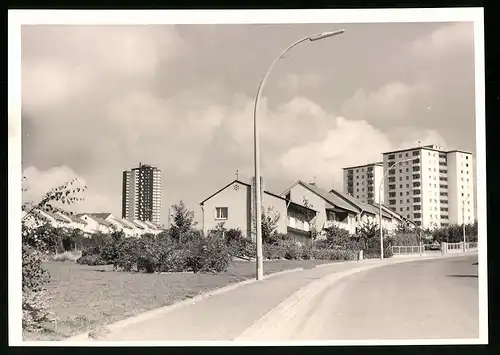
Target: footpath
{"type": "Point", "coordinates": [235, 314]}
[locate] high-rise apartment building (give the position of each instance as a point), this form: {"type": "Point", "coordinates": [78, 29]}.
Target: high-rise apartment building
{"type": "Point", "coordinates": [429, 185]}
{"type": "Point", "coordinates": [141, 196]}
{"type": "Point", "coordinates": [363, 182]}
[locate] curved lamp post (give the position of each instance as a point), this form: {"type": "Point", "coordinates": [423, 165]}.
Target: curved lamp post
{"type": "Point", "coordinates": [258, 211]}
{"type": "Point", "coordinates": [380, 205]}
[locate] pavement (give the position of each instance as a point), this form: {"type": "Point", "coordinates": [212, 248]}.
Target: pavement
{"type": "Point", "coordinates": [431, 299]}
{"type": "Point", "coordinates": [226, 316]}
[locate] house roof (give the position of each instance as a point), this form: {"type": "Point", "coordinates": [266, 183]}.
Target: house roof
{"type": "Point", "coordinates": [121, 222]}
{"type": "Point", "coordinates": [362, 206]}
{"type": "Point", "coordinates": [333, 200]}
{"type": "Point", "coordinates": [74, 218]}
{"type": "Point", "coordinates": [394, 213]}
{"type": "Point", "coordinates": [125, 222]}
{"type": "Point", "coordinates": [97, 219]}
{"type": "Point", "coordinates": [56, 216]}
{"type": "Point", "coordinates": [150, 224]}
{"type": "Point", "coordinates": [102, 215]}
{"type": "Point", "coordinates": [249, 185]}
{"type": "Point", "coordinates": [135, 224]}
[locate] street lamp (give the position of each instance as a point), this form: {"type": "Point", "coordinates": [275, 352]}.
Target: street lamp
{"type": "Point", "coordinates": [380, 205]}
{"type": "Point", "coordinates": [258, 211]}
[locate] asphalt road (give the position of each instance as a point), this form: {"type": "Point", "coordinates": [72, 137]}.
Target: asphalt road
{"type": "Point", "coordinates": [432, 299]}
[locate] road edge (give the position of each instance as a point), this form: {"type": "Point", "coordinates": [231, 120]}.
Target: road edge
{"type": "Point", "coordinates": [272, 325]}
{"type": "Point", "coordinates": [109, 328]}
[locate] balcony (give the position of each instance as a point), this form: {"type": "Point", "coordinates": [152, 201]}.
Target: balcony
{"type": "Point", "coordinates": [295, 223]}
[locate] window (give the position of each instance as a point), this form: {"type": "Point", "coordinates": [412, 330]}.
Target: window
{"type": "Point", "coordinates": [416, 215]}
{"type": "Point", "coordinates": [401, 178]}
{"type": "Point", "coordinates": [221, 213]}
{"type": "Point", "coordinates": [416, 168]}
{"type": "Point", "coordinates": [400, 186]}
{"type": "Point", "coordinates": [416, 199]}
{"type": "Point", "coordinates": [406, 154]}
{"type": "Point", "coordinates": [400, 194]}
{"type": "Point", "coordinates": [416, 176]}
{"type": "Point", "coordinates": [400, 171]}
{"type": "Point", "coordinates": [407, 208]}
{"type": "Point", "coordinates": [407, 200]}
{"type": "Point", "coordinates": [407, 177]}
{"type": "Point", "coordinates": [466, 157]}
{"type": "Point", "coordinates": [401, 202]}
{"type": "Point", "coordinates": [391, 156]}
{"type": "Point", "coordinates": [400, 155]}
{"type": "Point", "coordinates": [416, 184]}
{"type": "Point", "coordinates": [407, 193]}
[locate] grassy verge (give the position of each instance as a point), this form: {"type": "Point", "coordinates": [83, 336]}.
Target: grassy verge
{"type": "Point", "coordinates": [88, 297]}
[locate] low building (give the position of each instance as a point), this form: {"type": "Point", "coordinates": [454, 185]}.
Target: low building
{"type": "Point", "coordinates": [234, 204]}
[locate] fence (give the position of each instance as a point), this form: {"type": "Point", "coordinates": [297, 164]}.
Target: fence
{"type": "Point", "coordinates": [407, 250]}
{"type": "Point", "coordinates": [458, 247]}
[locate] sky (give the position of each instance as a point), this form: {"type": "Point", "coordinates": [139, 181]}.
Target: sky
{"type": "Point", "coordinates": [97, 100]}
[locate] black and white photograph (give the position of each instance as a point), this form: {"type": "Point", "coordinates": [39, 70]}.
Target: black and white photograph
{"type": "Point", "coordinates": [247, 177]}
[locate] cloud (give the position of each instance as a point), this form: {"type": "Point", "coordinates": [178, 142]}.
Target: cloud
{"type": "Point", "coordinates": [79, 60]}
{"type": "Point", "coordinates": [448, 38]}
{"type": "Point", "coordinates": [390, 104]}
{"type": "Point", "coordinates": [39, 182]}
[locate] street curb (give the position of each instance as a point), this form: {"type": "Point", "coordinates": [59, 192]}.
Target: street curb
{"type": "Point", "coordinates": [274, 325]}
{"type": "Point", "coordinates": [167, 309]}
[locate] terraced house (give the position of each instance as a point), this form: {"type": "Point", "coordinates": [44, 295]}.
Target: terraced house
{"type": "Point", "coordinates": [302, 207]}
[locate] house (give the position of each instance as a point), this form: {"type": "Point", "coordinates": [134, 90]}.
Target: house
{"type": "Point", "coordinates": [234, 204]}
{"type": "Point", "coordinates": [341, 209]}
{"type": "Point", "coordinates": [74, 221]}
{"type": "Point", "coordinates": [95, 224]}
{"type": "Point", "coordinates": [331, 209]}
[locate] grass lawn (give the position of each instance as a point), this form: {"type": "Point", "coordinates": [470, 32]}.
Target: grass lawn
{"type": "Point", "coordinates": [88, 297]}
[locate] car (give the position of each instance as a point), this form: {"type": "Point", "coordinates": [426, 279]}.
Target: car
{"type": "Point", "coordinates": [435, 246]}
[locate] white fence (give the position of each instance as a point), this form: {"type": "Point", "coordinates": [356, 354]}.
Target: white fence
{"type": "Point", "coordinates": [458, 247]}
{"type": "Point", "coordinates": [407, 250]}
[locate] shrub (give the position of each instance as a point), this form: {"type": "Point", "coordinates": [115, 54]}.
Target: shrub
{"type": "Point", "coordinates": [34, 297]}
{"type": "Point", "coordinates": [273, 251]}
{"type": "Point", "coordinates": [93, 260]}
{"type": "Point", "coordinates": [293, 250]}
{"type": "Point", "coordinates": [208, 255]}
{"type": "Point", "coordinates": [335, 254]}
{"type": "Point", "coordinates": [67, 256]}
{"type": "Point", "coordinates": [174, 260]}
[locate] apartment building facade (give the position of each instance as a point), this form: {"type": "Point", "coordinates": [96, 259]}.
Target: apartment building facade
{"type": "Point", "coordinates": [141, 194]}
{"type": "Point", "coordinates": [363, 182]}
{"type": "Point", "coordinates": [429, 185]}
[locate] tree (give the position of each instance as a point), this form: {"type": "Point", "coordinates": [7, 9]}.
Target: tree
{"type": "Point", "coordinates": [34, 240]}
{"type": "Point", "coordinates": [269, 224]}
{"type": "Point", "coordinates": [182, 222]}
{"type": "Point", "coordinates": [312, 219]}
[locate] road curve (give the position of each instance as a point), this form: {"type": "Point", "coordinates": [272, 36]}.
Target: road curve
{"type": "Point", "coordinates": [431, 299]}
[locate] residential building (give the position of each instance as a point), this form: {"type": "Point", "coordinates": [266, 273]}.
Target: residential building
{"type": "Point", "coordinates": [339, 209]}
{"type": "Point", "coordinates": [233, 205]}
{"type": "Point", "coordinates": [429, 185]}
{"type": "Point", "coordinates": [141, 194]}
{"type": "Point", "coordinates": [363, 182]}
{"type": "Point", "coordinates": [460, 187]}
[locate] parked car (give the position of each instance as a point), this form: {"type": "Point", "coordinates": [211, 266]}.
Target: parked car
{"type": "Point", "coordinates": [435, 246]}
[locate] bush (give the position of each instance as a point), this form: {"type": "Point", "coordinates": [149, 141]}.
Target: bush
{"type": "Point", "coordinates": [174, 260]}
{"type": "Point", "coordinates": [67, 256]}
{"type": "Point", "coordinates": [92, 260]}
{"type": "Point", "coordinates": [238, 245]}
{"type": "Point", "coordinates": [208, 255]}
{"type": "Point", "coordinates": [335, 254]}
{"type": "Point", "coordinates": [273, 251]}
{"type": "Point", "coordinates": [34, 297]}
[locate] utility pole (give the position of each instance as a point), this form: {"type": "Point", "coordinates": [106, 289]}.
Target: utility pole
{"type": "Point", "coordinates": [463, 224]}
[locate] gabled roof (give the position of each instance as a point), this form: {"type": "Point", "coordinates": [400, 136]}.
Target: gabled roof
{"type": "Point", "coordinates": [362, 206]}
{"type": "Point", "coordinates": [56, 216]}
{"type": "Point", "coordinates": [150, 224]}
{"type": "Point", "coordinates": [125, 222]}
{"type": "Point", "coordinates": [135, 224]}
{"type": "Point", "coordinates": [120, 222]}
{"type": "Point", "coordinates": [97, 219]}
{"type": "Point", "coordinates": [102, 215]}
{"type": "Point", "coordinates": [394, 213]}
{"type": "Point", "coordinates": [249, 185]}
{"type": "Point", "coordinates": [331, 199]}
{"type": "Point", "coordinates": [74, 218]}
